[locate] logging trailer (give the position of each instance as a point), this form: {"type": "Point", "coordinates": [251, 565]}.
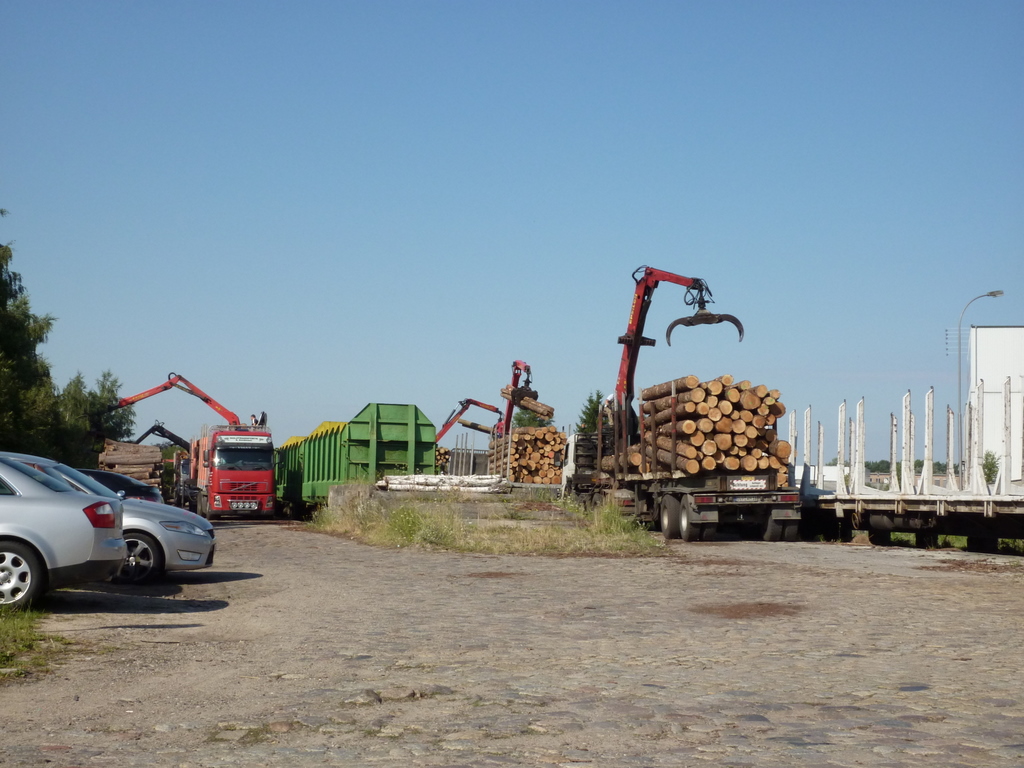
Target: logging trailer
{"type": "Point", "coordinates": [683, 504]}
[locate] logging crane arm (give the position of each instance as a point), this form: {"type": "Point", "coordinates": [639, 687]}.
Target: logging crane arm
{"type": "Point", "coordinates": [647, 279]}
{"type": "Point", "coordinates": [517, 393]}
{"type": "Point", "coordinates": [180, 382]}
{"type": "Point", "coordinates": [459, 410]}
{"type": "Point", "coordinates": [158, 429]}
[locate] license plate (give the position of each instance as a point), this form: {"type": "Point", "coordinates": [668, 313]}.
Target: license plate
{"type": "Point", "coordinates": [245, 505]}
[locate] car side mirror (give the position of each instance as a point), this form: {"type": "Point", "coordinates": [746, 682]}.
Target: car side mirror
{"type": "Point", "coordinates": [120, 494]}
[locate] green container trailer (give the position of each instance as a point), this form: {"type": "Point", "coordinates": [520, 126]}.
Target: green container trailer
{"type": "Point", "coordinates": [288, 472]}
{"type": "Point", "coordinates": [383, 439]}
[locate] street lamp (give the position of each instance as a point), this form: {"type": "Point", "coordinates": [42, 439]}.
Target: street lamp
{"type": "Point", "coordinates": [959, 386]}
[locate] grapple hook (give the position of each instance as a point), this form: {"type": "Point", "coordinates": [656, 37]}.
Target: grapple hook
{"type": "Point", "coordinates": [703, 317]}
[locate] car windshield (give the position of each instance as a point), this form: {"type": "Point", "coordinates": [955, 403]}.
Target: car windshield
{"type": "Point", "coordinates": [247, 459]}
{"type": "Point", "coordinates": [53, 483]}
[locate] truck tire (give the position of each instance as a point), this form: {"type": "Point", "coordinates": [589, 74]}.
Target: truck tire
{"type": "Point", "coordinates": [688, 530]}
{"type": "Point", "coordinates": [708, 531]}
{"type": "Point", "coordinates": [791, 532]}
{"type": "Point", "coordinates": [772, 529]}
{"type": "Point", "coordinates": [670, 508]}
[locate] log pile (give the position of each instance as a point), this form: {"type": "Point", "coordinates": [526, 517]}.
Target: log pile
{"type": "Point", "coordinates": [142, 462]}
{"type": "Point", "coordinates": [709, 426]}
{"type": "Point", "coordinates": [441, 459]}
{"type": "Point", "coordinates": [529, 404]}
{"type": "Point", "coordinates": [528, 455]}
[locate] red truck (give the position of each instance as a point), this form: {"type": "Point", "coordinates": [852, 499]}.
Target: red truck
{"type": "Point", "coordinates": [231, 466]}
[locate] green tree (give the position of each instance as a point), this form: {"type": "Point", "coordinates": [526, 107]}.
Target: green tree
{"type": "Point", "coordinates": [590, 414]}
{"type": "Point", "coordinates": [84, 420]}
{"type": "Point", "coordinates": [27, 396]}
{"type": "Point", "coordinates": [990, 466]}
{"type": "Point", "coordinates": [524, 418]}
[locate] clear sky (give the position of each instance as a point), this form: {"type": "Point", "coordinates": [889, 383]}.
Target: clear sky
{"type": "Point", "coordinates": [306, 207]}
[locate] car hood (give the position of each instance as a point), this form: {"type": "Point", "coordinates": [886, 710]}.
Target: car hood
{"type": "Point", "coordinates": [157, 513]}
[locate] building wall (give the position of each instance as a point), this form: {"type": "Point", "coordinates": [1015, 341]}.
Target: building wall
{"type": "Point", "coordinates": [997, 353]}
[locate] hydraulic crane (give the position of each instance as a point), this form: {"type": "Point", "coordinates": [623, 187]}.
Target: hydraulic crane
{"type": "Point", "coordinates": [459, 410]}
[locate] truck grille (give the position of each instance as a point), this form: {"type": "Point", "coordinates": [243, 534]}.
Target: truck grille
{"type": "Point", "coordinates": [235, 486]}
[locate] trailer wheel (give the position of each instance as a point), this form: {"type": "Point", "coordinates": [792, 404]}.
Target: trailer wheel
{"type": "Point", "coordinates": [791, 532]}
{"type": "Point", "coordinates": [772, 529]}
{"type": "Point", "coordinates": [688, 531]}
{"type": "Point", "coordinates": [670, 508]}
{"type": "Point", "coordinates": [708, 531]}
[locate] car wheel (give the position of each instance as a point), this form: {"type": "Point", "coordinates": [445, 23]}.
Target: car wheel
{"type": "Point", "coordinates": [145, 560]}
{"type": "Point", "coordinates": [22, 576]}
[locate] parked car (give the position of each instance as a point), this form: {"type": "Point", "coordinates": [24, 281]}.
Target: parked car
{"type": "Point", "coordinates": [124, 486]}
{"type": "Point", "coordinates": [159, 537]}
{"type": "Point", "coordinates": [52, 535]}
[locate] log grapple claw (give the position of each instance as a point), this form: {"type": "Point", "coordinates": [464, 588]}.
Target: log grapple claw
{"type": "Point", "coordinates": [703, 317]}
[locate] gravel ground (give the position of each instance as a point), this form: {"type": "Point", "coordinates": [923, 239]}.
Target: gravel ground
{"type": "Point", "coordinates": [303, 649]}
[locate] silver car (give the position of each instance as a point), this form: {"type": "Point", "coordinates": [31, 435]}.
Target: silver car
{"type": "Point", "coordinates": [159, 537]}
{"type": "Point", "coordinates": [52, 535]}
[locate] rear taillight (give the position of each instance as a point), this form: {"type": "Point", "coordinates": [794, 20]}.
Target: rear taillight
{"type": "Point", "coordinates": [100, 514]}
{"type": "Point", "coordinates": [787, 497]}
{"type": "Point", "coordinates": [704, 499]}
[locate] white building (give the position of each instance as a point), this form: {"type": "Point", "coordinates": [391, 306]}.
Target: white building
{"type": "Point", "coordinates": [997, 357]}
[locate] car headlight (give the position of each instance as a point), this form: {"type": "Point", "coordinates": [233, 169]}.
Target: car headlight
{"type": "Point", "coordinates": [182, 527]}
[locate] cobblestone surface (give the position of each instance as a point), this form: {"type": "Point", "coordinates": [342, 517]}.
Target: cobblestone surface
{"type": "Point", "coordinates": [303, 649]}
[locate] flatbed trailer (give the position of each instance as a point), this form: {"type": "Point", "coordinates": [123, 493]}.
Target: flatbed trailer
{"type": "Point", "coordinates": [959, 504]}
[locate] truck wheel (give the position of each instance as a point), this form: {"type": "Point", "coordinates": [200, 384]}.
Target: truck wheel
{"type": "Point", "coordinates": [688, 531]}
{"type": "Point", "coordinates": [792, 531]}
{"type": "Point", "coordinates": [772, 529]}
{"type": "Point", "coordinates": [708, 531]}
{"type": "Point", "coordinates": [670, 508]}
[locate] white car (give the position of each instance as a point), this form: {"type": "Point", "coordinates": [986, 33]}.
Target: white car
{"type": "Point", "coordinates": [159, 537]}
{"type": "Point", "coordinates": [52, 535]}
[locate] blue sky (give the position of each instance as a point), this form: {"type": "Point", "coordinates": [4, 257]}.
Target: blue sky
{"type": "Point", "coordinates": [306, 207]}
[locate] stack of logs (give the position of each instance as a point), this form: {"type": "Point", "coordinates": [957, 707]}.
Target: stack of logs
{"type": "Point", "coordinates": [441, 458]}
{"type": "Point", "coordinates": [528, 455]}
{"type": "Point", "coordinates": [143, 462]}
{"type": "Point", "coordinates": [710, 426]}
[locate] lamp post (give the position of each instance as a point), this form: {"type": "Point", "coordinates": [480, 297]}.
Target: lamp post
{"type": "Point", "coordinates": [959, 386]}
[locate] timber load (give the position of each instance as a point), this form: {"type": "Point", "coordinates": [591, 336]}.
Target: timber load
{"type": "Point", "coordinates": [528, 455]}
{"type": "Point", "coordinates": [528, 403]}
{"type": "Point", "coordinates": [695, 426]}
{"type": "Point", "coordinates": [141, 462]}
{"type": "Point", "coordinates": [441, 458]}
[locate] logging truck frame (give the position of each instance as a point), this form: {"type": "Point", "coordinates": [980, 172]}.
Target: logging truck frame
{"type": "Point", "coordinates": [682, 504]}
{"type": "Point", "coordinates": [231, 466]}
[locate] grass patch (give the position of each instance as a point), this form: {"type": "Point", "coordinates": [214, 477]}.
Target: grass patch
{"type": "Point", "coordinates": [23, 648]}
{"type": "Point", "coordinates": [436, 525]}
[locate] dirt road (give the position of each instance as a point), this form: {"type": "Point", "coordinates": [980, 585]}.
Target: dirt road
{"type": "Point", "coordinates": [302, 649]}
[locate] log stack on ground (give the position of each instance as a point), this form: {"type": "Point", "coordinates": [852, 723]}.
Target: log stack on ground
{"type": "Point", "coordinates": [709, 426]}
{"type": "Point", "coordinates": [528, 455]}
{"type": "Point", "coordinates": [142, 462]}
{"type": "Point", "coordinates": [441, 458]}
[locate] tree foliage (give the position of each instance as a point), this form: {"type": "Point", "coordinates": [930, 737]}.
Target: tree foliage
{"type": "Point", "coordinates": [27, 397]}
{"type": "Point", "coordinates": [36, 417]}
{"type": "Point", "coordinates": [590, 413]}
{"type": "Point", "coordinates": [990, 466]}
{"type": "Point", "coordinates": [524, 418]}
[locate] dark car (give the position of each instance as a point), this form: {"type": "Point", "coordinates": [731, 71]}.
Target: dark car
{"type": "Point", "coordinates": [126, 487]}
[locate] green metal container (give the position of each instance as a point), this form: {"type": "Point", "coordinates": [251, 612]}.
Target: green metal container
{"type": "Point", "coordinates": [383, 439]}
{"type": "Point", "coordinates": [288, 470]}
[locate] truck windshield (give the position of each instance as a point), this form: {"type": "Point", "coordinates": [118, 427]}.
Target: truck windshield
{"type": "Point", "coordinates": [244, 459]}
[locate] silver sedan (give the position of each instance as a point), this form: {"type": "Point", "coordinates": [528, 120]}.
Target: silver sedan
{"type": "Point", "coordinates": [159, 537]}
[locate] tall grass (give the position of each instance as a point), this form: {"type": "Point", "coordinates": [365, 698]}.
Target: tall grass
{"type": "Point", "coordinates": [437, 525]}
{"type": "Point", "coordinates": [23, 647]}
